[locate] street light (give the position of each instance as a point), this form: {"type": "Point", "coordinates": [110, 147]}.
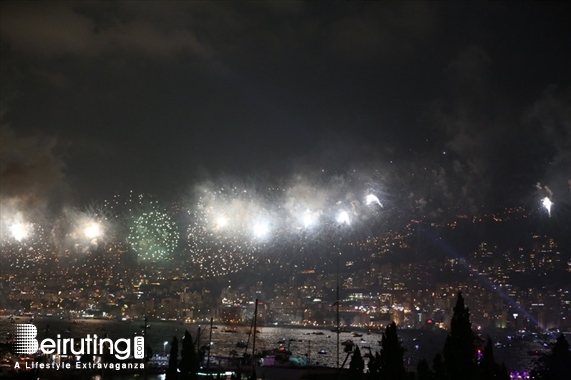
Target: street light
{"type": "Point", "coordinates": [165, 348]}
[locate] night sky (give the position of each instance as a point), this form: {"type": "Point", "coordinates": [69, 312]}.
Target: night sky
{"type": "Point", "coordinates": [453, 103]}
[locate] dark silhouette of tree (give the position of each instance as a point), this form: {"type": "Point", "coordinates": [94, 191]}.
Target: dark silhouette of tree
{"type": "Point", "coordinates": [357, 365]}
{"type": "Point", "coordinates": [439, 368]}
{"type": "Point", "coordinates": [172, 373]}
{"type": "Point", "coordinates": [489, 369]}
{"type": "Point", "coordinates": [504, 374]}
{"type": "Point", "coordinates": [149, 353]}
{"type": "Point", "coordinates": [87, 358]}
{"type": "Point", "coordinates": [107, 356]}
{"type": "Point", "coordinates": [460, 358]}
{"type": "Point", "coordinates": [488, 363]}
{"type": "Point", "coordinates": [460, 354]}
{"type": "Point", "coordinates": [423, 370]}
{"type": "Point", "coordinates": [392, 355]}
{"type": "Point", "coordinates": [189, 364]}
{"type": "Point", "coordinates": [374, 366]}
{"type": "Point", "coordinates": [557, 364]}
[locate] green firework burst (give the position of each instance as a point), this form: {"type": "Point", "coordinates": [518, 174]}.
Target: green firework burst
{"type": "Point", "coordinates": [153, 235]}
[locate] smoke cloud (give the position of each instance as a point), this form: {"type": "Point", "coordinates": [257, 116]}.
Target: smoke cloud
{"type": "Point", "coordinates": [30, 171]}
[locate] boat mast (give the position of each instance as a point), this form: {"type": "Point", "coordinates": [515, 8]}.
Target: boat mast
{"type": "Point", "coordinates": [337, 309]}
{"type": "Point", "coordinates": [145, 335]}
{"type": "Point", "coordinates": [254, 341]}
{"type": "Point", "coordinates": [337, 314]}
{"type": "Point", "coordinates": [209, 342]}
{"type": "Point", "coordinates": [309, 352]}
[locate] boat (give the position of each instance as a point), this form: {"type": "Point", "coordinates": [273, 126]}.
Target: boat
{"type": "Point", "coordinates": [229, 330]}
{"type": "Point", "coordinates": [225, 364]}
{"type": "Point", "coordinates": [357, 335]}
{"type": "Point", "coordinates": [341, 329]}
{"type": "Point", "coordinates": [241, 344]}
{"type": "Point", "coordinates": [322, 352]}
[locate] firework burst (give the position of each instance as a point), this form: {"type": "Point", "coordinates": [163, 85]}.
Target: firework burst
{"type": "Point", "coordinates": [153, 234]}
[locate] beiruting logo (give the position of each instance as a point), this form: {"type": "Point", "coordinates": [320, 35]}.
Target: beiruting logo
{"type": "Point", "coordinates": [27, 344]}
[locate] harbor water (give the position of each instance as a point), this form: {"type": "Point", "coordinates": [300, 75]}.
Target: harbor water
{"type": "Point", "coordinates": [318, 345]}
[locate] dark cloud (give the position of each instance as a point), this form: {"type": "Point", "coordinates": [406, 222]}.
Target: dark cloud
{"type": "Point", "coordinates": [552, 114]}
{"type": "Point", "coordinates": [387, 31]}
{"type": "Point", "coordinates": [48, 29]}
{"type": "Point", "coordinates": [158, 30]}
{"type": "Point", "coordinates": [70, 29]}
{"type": "Point", "coordinates": [549, 121]}
{"type": "Point", "coordinates": [494, 147]}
